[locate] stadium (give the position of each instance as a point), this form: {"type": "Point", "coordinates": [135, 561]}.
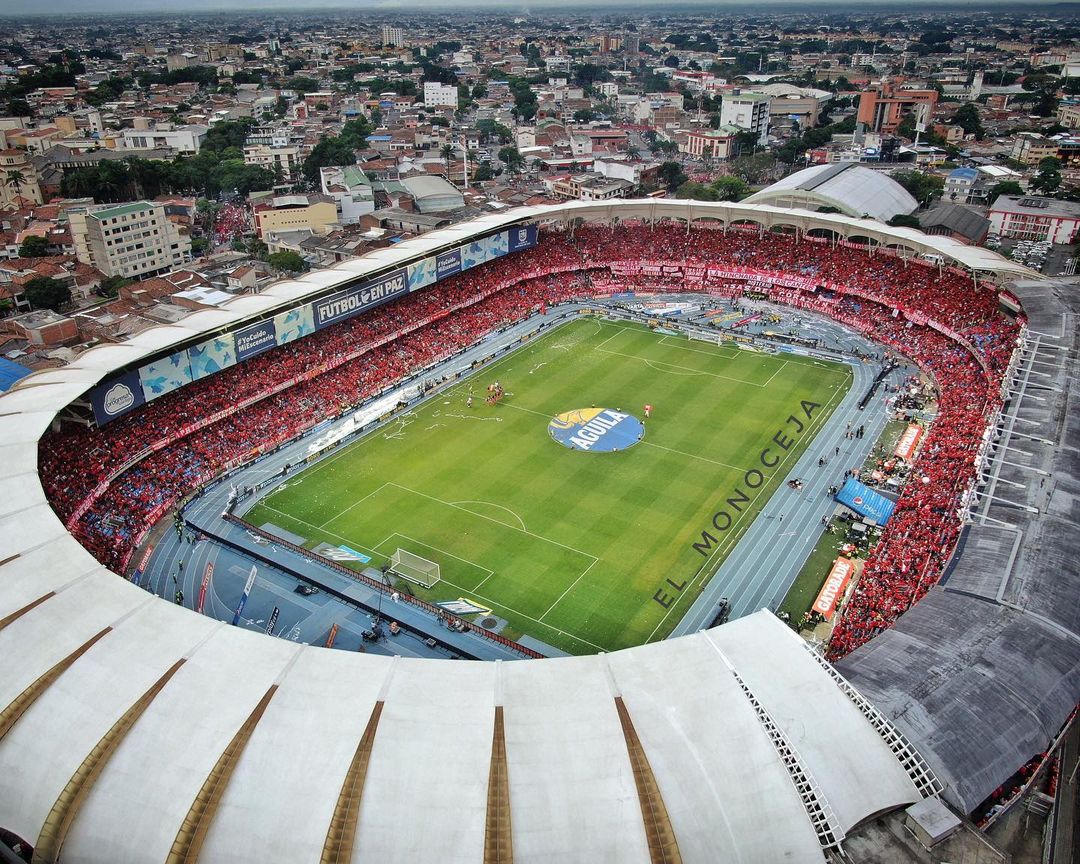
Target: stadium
{"type": "Point", "coordinates": [533, 419]}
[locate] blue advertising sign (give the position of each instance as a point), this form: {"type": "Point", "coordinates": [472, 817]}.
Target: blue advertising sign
{"type": "Point", "coordinates": [497, 245]}
{"type": "Point", "coordinates": [473, 254]}
{"type": "Point", "coordinates": [448, 264]}
{"type": "Point", "coordinates": [523, 237]}
{"type": "Point", "coordinates": [165, 375]}
{"type": "Point", "coordinates": [253, 340]}
{"type": "Point", "coordinates": [294, 324]}
{"type": "Point", "coordinates": [421, 274]}
{"type": "Point", "coordinates": [115, 397]}
{"type": "Point", "coordinates": [244, 596]}
{"type": "Point", "coordinates": [210, 357]}
{"type": "Point", "coordinates": [352, 301]}
{"type": "Point", "coordinates": [865, 501]}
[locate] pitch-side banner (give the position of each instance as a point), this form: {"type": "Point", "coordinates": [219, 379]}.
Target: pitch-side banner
{"type": "Point", "coordinates": [207, 575]}
{"type": "Point", "coordinates": [905, 447]}
{"type": "Point", "coordinates": [333, 635]}
{"type": "Point", "coordinates": [272, 623]}
{"type": "Point", "coordinates": [352, 301]}
{"type": "Point", "coordinates": [136, 577]}
{"type": "Point", "coordinates": [833, 589]}
{"type": "Point", "coordinates": [244, 597]}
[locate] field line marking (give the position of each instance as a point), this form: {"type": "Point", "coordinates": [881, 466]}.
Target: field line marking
{"type": "Point", "coordinates": [779, 369]}
{"type": "Point", "coordinates": [650, 361]}
{"type": "Point", "coordinates": [707, 571]}
{"type": "Point", "coordinates": [721, 352]}
{"type": "Point", "coordinates": [568, 590]}
{"type": "Point", "coordinates": [444, 552]}
{"type": "Point", "coordinates": [650, 364]}
{"type": "Point", "coordinates": [350, 507]}
{"type": "Point", "coordinates": [326, 531]}
{"type": "Point", "coordinates": [521, 521]}
{"type": "Point", "coordinates": [693, 456]}
{"type": "Point", "coordinates": [493, 521]}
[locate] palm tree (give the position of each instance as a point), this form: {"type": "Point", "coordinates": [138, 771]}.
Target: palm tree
{"type": "Point", "coordinates": [14, 180]}
{"type": "Point", "coordinates": [447, 151]}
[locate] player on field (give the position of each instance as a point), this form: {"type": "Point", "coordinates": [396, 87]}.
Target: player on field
{"type": "Point", "coordinates": [648, 411]}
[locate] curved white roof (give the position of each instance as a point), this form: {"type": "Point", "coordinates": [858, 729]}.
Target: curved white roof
{"type": "Point", "coordinates": [852, 189]}
{"type": "Point", "coordinates": [132, 729]}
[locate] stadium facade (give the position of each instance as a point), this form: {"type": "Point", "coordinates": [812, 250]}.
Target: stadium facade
{"type": "Point", "coordinates": [133, 730]}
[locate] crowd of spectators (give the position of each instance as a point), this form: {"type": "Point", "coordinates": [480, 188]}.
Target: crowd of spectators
{"type": "Point", "coordinates": [935, 316]}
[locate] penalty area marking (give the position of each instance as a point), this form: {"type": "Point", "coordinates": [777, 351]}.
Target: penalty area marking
{"type": "Point", "coordinates": [521, 521]}
{"type": "Point", "coordinates": [686, 369]}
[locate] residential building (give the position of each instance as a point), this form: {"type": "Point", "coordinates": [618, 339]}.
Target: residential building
{"type": "Point", "coordinates": [352, 190]}
{"type": "Point", "coordinates": [182, 139]}
{"type": "Point", "coordinates": [393, 36]}
{"type": "Point", "coordinates": [748, 112]}
{"type": "Point", "coordinates": [710, 143]}
{"type": "Point", "coordinates": [1031, 148]}
{"type": "Point", "coordinates": [436, 94]}
{"type": "Point", "coordinates": [315, 213]}
{"type": "Point", "coordinates": [132, 240]}
{"type": "Point", "coordinates": [1035, 219]}
{"type": "Point", "coordinates": [885, 108]}
{"type": "Point", "coordinates": [284, 161]}
{"type": "Point", "coordinates": [588, 187]}
{"type": "Point", "coordinates": [1069, 114]}
{"type": "Point", "coordinates": [18, 179]}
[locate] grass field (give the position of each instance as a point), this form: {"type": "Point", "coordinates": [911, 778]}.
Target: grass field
{"type": "Point", "coordinates": [568, 546]}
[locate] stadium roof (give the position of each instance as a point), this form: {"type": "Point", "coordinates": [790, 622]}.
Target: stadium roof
{"type": "Point", "coordinates": [852, 189]}
{"type": "Point", "coordinates": [118, 712]}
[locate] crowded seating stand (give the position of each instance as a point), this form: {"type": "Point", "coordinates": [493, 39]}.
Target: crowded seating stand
{"type": "Point", "coordinates": [112, 484]}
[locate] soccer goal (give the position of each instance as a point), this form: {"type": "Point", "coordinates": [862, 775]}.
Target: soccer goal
{"type": "Point", "coordinates": [705, 336]}
{"type": "Point", "coordinates": [414, 568]}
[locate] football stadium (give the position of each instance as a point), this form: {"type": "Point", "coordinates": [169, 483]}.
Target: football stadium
{"type": "Point", "coordinates": [770, 512]}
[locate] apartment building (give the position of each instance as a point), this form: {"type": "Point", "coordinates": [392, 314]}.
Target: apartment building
{"type": "Point", "coordinates": [1035, 219]}
{"type": "Point", "coordinates": [132, 240]}
{"type": "Point", "coordinates": [436, 94]}
{"type": "Point", "coordinates": [314, 213]}
{"type": "Point", "coordinates": [748, 112]}
{"type": "Point", "coordinates": [884, 109]}
{"type": "Point", "coordinates": [183, 139]}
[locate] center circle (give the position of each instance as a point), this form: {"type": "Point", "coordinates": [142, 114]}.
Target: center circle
{"type": "Point", "coordinates": [596, 430]}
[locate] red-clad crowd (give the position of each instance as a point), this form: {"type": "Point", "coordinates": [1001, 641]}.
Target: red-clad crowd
{"type": "Point", "coordinates": [230, 222]}
{"type": "Point", "coordinates": [937, 317]}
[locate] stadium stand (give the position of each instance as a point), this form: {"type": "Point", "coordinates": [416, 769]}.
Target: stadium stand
{"type": "Point", "coordinates": [566, 748]}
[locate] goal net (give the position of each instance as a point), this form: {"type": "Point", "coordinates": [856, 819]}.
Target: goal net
{"type": "Point", "coordinates": [414, 568]}
{"type": "Point", "coordinates": [705, 336]}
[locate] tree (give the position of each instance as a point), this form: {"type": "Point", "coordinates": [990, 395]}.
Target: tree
{"type": "Point", "coordinates": [1049, 178]}
{"type": "Point", "coordinates": [905, 220]}
{"type": "Point", "coordinates": [287, 262]}
{"type": "Point", "coordinates": [1005, 187]}
{"type": "Point", "coordinates": [967, 118]}
{"type": "Point", "coordinates": [584, 115]}
{"type": "Point", "coordinates": [46, 293]}
{"type": "Point", "coordinates": [510, 155]}
{"type": "Point", "coordinates": [446, 151]}
{"type": "Point", "coordinates": [328, 152]}
{"type": "Point", "coordinates": [34, 247]}
{"type": "Point", "coordinates": [730, 188]}
{"type": "Point", "coordinates": [110, 286]}
{"type": "Point", "coordinates": [671, 175]}
{"type": "Point", "coordinates": [483, 173]}
{"type": "Point", "coordinates": [922, 187]}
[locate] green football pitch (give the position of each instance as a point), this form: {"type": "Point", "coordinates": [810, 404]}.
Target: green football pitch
{"type": "Point", "coordinates": [572, 547]}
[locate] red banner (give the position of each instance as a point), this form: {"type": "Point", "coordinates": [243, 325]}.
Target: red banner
{"type": "Point", "coordinates": [833, 589]}
{"type": "Point", "coordinates": [905, 447]}
{"type": "Point", "coordinates": [207, 574]}
{"type": "Point", "coordinates": [333, 635]}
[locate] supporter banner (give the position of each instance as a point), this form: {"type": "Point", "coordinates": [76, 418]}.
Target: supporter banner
{"type": "Point", "coordinates": [116, 397]}
{"type": "Point", "coordinates": [447, 264]}
{"type": "Point", "coordinates": [422, 274]}
{"type": "Point", "coordinates": [333, 635]}
{"type": "Point", "coordinates": [210, 357]}
{"type": "Point", "coordinates": [207, 575]}
{"type": "Point", "coordinates": [136, 577]}
{"type": "Point", "coordinates": [165, 375]}
{"type": "Point", "coordinates": [294, 324]}
{"type": "Point", "coordinates": [272, 623]}
{"type": "Point", "coordinates": [833, 589]}
{"type": "Point", "coordinates": [244, 597]}
{"type": "Point", "coordinates": [254, 340]}
{"type": "Point", "coordinates": [905, 447]}
{"type": "Point", "coordinates": [521, 238]}
{"type": "Point", "coordinates": [352, 301]}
